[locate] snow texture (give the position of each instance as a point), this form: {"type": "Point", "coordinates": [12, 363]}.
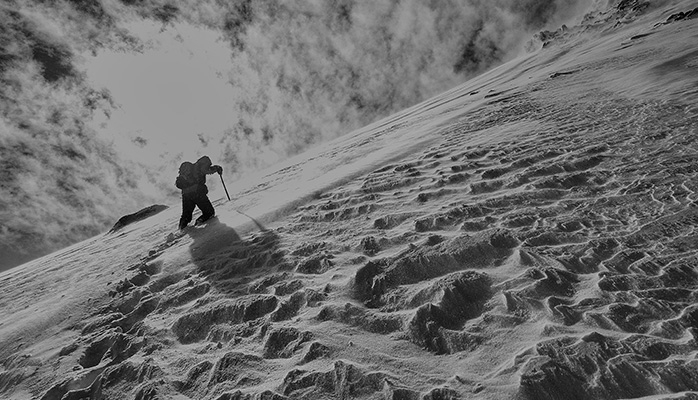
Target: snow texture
{"type": "Point", "coordinates": [530, 234]}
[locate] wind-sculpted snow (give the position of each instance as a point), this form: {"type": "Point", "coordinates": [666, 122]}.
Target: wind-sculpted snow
{"type": "Point", "coordinates": [544, 245]}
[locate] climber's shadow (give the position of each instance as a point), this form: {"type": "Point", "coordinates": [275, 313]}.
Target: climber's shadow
{"type": "Point", "coordinates": [228, 260]}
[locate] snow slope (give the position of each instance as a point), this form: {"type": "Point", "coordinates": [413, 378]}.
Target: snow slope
{"type": "Point", "coordinates": [530, 234]}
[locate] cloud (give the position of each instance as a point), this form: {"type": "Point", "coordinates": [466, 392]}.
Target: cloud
{"type": "Point", "coordinates": [59, 182]}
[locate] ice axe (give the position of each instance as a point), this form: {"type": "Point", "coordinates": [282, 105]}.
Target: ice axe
{"type": "Point", "coordinates": [224, 188]}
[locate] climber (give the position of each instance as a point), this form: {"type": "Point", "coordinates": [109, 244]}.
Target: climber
{"type": "Point", "coordinates": [192, 182]}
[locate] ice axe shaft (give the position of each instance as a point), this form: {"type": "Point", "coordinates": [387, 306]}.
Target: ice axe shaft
{"type": "Point", "coordinates": [224, 188]}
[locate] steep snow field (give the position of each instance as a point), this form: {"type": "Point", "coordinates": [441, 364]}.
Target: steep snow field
{"type": "Point", "coordinates": [531, 234]}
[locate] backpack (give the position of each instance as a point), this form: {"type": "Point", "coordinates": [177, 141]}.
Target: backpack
{"type": "Point", "coordinates": [186, 177]}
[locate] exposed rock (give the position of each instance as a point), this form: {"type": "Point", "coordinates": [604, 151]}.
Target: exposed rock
{"type": "Point", "coordinates": [138, 216]}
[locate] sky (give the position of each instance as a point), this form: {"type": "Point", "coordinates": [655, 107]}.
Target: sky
{"type": "Point", "coordinates": [101, 101]}
{"type": "Point", "coordinates": [168, 95]}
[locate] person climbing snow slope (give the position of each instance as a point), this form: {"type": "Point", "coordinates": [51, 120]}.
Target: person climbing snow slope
{"type": "Point", "coordinates": [192, 182]}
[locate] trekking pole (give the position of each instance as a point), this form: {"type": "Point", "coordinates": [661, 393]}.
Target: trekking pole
{"type": "Point", "coordinates": [226, 189]}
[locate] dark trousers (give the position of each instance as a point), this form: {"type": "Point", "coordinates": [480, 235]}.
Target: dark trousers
{"type": "Point", "coordinates": [189, 202]}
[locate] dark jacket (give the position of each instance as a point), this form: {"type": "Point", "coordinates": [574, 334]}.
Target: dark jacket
{"type": "Point", "coordinates": [192, 177]}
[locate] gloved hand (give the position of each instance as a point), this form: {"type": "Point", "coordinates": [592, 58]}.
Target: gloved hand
{"type": "Point", "coordinates": [218, 169]}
